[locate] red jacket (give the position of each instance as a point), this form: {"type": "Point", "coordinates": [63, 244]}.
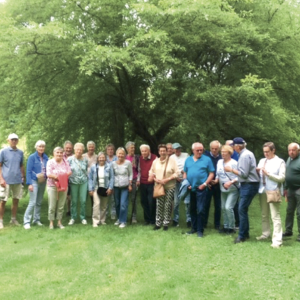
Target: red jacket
{"type": "Point", "coordinates": [145, 165]}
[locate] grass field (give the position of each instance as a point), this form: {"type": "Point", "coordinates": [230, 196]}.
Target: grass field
{"type": "Point", "coordinates": [82, 262]}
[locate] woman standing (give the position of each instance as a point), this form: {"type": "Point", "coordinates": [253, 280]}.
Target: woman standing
{"type": "Point", "coordinates": [101, 183]}
{"type": "Point", "coordinates": [229, 188]}
{"type": "Point", "coordinates": [36, 180]}
{"type": "Point", "coordinates": [78, 182]}
{"type": "Point", "coordinates": [164, 170]}
{"type": "Point", "coordinates": [122, 185]}
{"type": "Point", "coordinates": [272, 173]}
{"type": "Point", "coordinates": [57, 167]}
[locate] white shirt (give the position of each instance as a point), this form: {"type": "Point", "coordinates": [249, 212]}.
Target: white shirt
{"type": "Point", "coordinates": [180, 160]}
{"type": "Point", "coordinates": [101, 176]}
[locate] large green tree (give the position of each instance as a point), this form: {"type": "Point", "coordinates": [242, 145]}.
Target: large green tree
{"type": "Point", "coordinates": [152, 71]}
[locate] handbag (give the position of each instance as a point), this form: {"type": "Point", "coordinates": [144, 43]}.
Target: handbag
{"type": "Point", "coordinates": [159, 189]}
{"type": "Point", "coordinates": [40, 177]}
{"type": "Point", "coordinates": [101, 191]}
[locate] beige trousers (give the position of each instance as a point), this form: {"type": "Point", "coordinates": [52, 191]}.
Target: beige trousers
{"type": "Point", "coordinates": [99, 209]}
{"type": "Point", "coordinates": [274, 209]}
{"type": "Point", "coordinates": [56, 203]}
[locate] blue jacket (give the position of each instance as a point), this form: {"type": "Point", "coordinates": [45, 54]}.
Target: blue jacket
{"type": "Point", "coordinates": [34, 166]}
{"type": "Point", "coordinates": [184, 192]}
{"type": "Point", "coordinates": [108, 177]}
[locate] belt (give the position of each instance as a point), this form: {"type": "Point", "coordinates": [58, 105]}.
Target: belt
{"type": "Point", "coordinates": [255, 182]}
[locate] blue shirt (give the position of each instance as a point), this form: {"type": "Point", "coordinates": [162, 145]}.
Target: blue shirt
{"type": "Point", "coordinates": [35, 166]}
{"type": "Point", "coordinates": [235, 155]}
{"type": "Point", "coordinates": [198, 171]}
{"type": "Point", "coordinates": [11, 161]}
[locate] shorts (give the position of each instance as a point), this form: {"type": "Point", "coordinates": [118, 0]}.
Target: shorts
{"type": "Point", "coordinates": [15, 189]}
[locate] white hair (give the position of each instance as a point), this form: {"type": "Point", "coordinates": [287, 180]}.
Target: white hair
{"type": "Point", "coordinates": [145, 146]}
{"type": "Point", "coordinates": [294, 144]}
{"type": "Point", "coordinates": [193, 146]}
{"type": "Point", "coordinates": [129, 144]}
{"type": "Point", "coordinates": [90, 143]}
{"type": "Point", "coordinates": [120, 149]}
{"type": "Point", "coordinates": [39, 143]}
{"type": "Point", "coordinates": [217, 142]}
{"type": "Point", "coordinates": [79, 145]}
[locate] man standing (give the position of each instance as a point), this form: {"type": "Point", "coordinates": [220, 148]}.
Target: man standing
{"type": "Point", "coordinates": [170, 150]}
{"type": "Point", "coordinates": [248, 177]}
{"type": "Point", "coordinates": [180, 158]}
{"type": "Point", "coordinates": [148, 203]}
{"type": "Point", "coordinates": [214, 190]}
{"type": "Point", "coordinates": [199, 171]}
{"type": "Point", "coordinates": [68, 151]}
{"type": "Point", "coordinates": [11, 176]}
{"type": "Point", "coordinates": [235, 155]}
{"type": "Point", "coordinates": [292, 190]}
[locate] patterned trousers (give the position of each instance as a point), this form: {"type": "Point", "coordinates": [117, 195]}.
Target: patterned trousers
{"type": "Point", "coordinates": [164, 208]}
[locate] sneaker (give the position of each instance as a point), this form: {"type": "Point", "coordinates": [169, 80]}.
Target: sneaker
{"type": "Point", "coordinates": [262, 237]}
{"type": "Point", "coordinates": [103, 223]}
{"type": "Point", "coordinates": [113, 217]}
{"type": "Point", "coordinates": [275, 246]}
{"type": "Point", "coordinates": [51, 226]}
{"type": "Point", "coordinates": [166, 228]}
{"type": "Point", "coordinates": [27, 226]}
{"type": "Point", "coordinates": [68, 214]}
{"type": "Point", "coordinates": [14, 222]}
{"type": "Point", "coordinates": [84, 222]}
{"type": "Point", "coordinates": [1, 225]}
{"type": "Point", "coordinates": [190, 232]}
{"type": "Point", "coordinates": [156, 227]}
{"type": "Point", "coordinates": [122, 225]}
{"type": "Point", "coordinates": [95, 225]}
{"type": "Point", "coordinates": [117, 223]}
{"type": "Point", "coordinates": [72, 221]}
{"type": "Point", "coordinates": [134, 221]}
{"type": "Point", "coordinates": [61, 226]}
{"type": "Point", "coordinates": [200, 234]}
{"type": "Point", "coordinates": [38, 223]}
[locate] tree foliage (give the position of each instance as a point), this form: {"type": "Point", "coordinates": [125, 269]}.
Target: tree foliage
{"type": "Point", "coordinates": [150, 71]}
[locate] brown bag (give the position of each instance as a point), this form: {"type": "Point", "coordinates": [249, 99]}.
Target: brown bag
{"type": "Point", "coordinates": [159, 190]}
{"type": "Point", "coordinates": [273, 196]}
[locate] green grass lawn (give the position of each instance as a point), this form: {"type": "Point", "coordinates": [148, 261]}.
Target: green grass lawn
{"type": "Point", "coordinates": [82, 262]}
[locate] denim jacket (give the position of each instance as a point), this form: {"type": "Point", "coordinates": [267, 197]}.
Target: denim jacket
{"type": "Point", "coordinates": [34, 166]}
{"type": "Point", "coordinates": [108, 177]}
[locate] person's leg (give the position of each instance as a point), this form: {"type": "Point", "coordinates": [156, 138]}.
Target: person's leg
{"type": "Point", "coordinates": [217, 203]}
{"type": "Point", "coordinates": [187, 212]}
{"type": "Point", "coordinates": [201, 209]}
{"type": "Point", "coordinates": [113, 208]}
{"type": "Point", "coordinates": [52, 199]}
{"type": "Point", "coordinates": [82, 198]}
{"type": "Point", "coordinates": [290, 212]}
{"type": "Point", "coordinates": [236, 212]}
{"type": "Point", "coordinates": [229, 208]}
{"type": "Point", "coordinates": [62, 196]}
{"type": "Point", "coordinates": [2, 210]}
{"type": "Point", "coordinates": [31, 204]}
{"type": "Point", "coordinates": [176, 202]}
{"type": "Point", "coordinates": [69, 200]}
{"type": "Point", "coordinates": [265, 215]}
{"type": "Point", "coordinates": [133, 196]}
{"type": "Point", "coordinates": [103, 208]}
{"type": "Point", "coordinates": [151, 203]}
{"type": "Point", "coordinates": [124, 205]}
{"type": "Point", "coordinates": [297, 195]}
{"type": "Point", "coordinates": [16, 191]}
{"type": "Point", "coordinates": [168, 207]}
{"type": "Point", "coordinates": [96, 209]}
{"type": "Point", "coordinates": [74, 199]}
{"type": "Point", "coordinates": [277, 227]}
{"type": "Point", "coordinates": [144, 202]}
{"type": "Point", "coordinates": [223, 207]}
{"type": "Point", "coordinates": [117, 197]}
{"type": "Point", "coordinates": [39, 199]}
{"type": "Point", "coordinates": [193, 210]}
{"type": "Point", "coordinates": [209, 194]}
{"type": "Point", "coordinates": [159, 211]}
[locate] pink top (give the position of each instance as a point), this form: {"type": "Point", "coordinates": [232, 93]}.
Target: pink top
{"type": "Point", "coordinates": [56, 168]}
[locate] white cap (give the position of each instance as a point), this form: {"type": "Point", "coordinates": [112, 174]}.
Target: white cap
{"type": "Point", "coordinates": [12, 136]}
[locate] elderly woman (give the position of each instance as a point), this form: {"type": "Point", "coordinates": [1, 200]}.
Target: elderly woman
{"type": "Point", "coordinates": [134, 159]}
{"type": "Point", "coordinates": [122, 185]}
{"type": "Point", "coordinates": [164, 170]}
{"type": "Point", "coordinates": [229, 188]}
{"type": "Point", "coordinates": [36, 180]}
{"type": "Point", "coordinates": [271, 170]}
{"type": "Point", "coordinates": [101, 183]}
{"type": "Point", "coordinates": [57, 167]}
{"type": "Point", "coordinates": [78, 183]}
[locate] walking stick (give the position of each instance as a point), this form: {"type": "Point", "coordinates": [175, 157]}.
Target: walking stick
{"type": "Point", "coordinates": [134, 201]}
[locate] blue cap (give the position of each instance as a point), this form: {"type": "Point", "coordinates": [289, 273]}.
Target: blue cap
{"type": "Point", "coordinates": [176, 146]}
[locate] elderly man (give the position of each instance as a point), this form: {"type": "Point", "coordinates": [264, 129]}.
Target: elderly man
{"type": "Point", "coordinates": [170, 149]}
{"type": "Point", "coordinates": [246, 172]}
{"type": "Point", "coordinates": [68, 151]}
{"type": "Point", "coordinates": [11, 177]}
{"type": "Point", "coordinates": [180, 158]}
{"type": "Point", "coordinates": [214, 190]}
{"type": "Point", "coordinates": [199, 171]}
{"type": "Point", "coordinates": [292, 190]}
{"type": "Point", "coordinates": [148, 203]}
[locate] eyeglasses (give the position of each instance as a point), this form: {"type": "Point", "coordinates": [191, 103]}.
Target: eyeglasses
{"type": "Point", "coordinates": [200, 150]}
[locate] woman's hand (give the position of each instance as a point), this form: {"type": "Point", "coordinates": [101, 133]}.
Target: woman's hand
{"type": "Point", "coordinates": [109, 192]}
{"type": "Point", "coordinates": [227, 169]}
{"type": "Point", "coordinates": [227, 185]}
{"type": "Point", "coordinates": [265, 172]}
{"type": "Point", "coordinates": [91, 193]}
{"type": "Point", "coordinates": [214, 182]}
{"type": "Point", "coordinates": [30, 188]}
{"type": "Point", "coordinates": [130, 188]}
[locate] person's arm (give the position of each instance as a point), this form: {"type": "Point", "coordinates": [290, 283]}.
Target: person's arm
{"type": "Point", "coordinates": [280, 177]}
{"type": "Point", "coordinates": [29, 173]}
{"type": "Point", "coordinates": [130, 175]}
{"type": "Point", "coordinates": [2, 181]}
{"type": "Point", "coordinates": [207, 181]}
{"type": "Point", "coordinates": [91, 179]}
{"type": "Point", "coordinates": [152, 172]}
{"type": "Point", "coordinates": [176, 173]}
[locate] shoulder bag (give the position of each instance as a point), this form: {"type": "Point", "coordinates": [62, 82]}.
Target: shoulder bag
{"type": "Point", "coordinates": [159, 190]}
{"type": "Point", "coordinates": [272, 196]}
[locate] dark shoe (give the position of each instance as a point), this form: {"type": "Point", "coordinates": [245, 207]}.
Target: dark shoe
{"type": "Point", "coordinates": [285, 234]}
{"type": "Point", "coordinates": [68, 214]}
{"type": "Point", "coordinates": [217, 227]}
{"type": "Point", "coordinates": [223, 230]}
{"type": "Point", "coordinates": [188, 224]}
{"type": "Point", "coordinates": [156, 227]}
{"type": "Point", "coordinates": [200, 234]}
{"type": "Point", "coordinates": [146, 224]}
{"type": "Point", "coordinates": [230, 231]}
{"type": "Point", "coordinates": [191, 232]}
{"type": "Point", "coordinates": [166, 228]}
{"type": "Point", "coordinates": [238, 240]}
{"type": "Point", "coordinates": [175, 224]}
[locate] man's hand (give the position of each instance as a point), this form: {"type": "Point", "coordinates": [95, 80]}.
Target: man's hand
{"type": "Point", "coordinates": [201, 187]}
{"type": "Point", "coordinates": [3, 183]}
{"type": "Point", "coordinates": [214, 182]}
{"type": "Point", "coordinates": [91, 193]}
{"type": "Point", "coordinates": [30, 188]}
{"type": "Point", "coordinates": [138, 183]}
{"type": "Point", "coordinates": [129, 188]}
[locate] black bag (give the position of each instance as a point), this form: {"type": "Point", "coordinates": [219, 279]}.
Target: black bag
{"type": "Point", "coordinates": [101, 191]}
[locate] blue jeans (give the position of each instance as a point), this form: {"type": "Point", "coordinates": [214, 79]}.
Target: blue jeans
{"type": "Point", "coordinates": [198, 206]}
{"type": "Point", "coordinates": [35, 202]}
{"type": "Point", "coordinates": [216, 193]}
{"type": "Point", "coordinates": [177, 203]}
{"type": "Point", "coordinates": [247, 193]}
{"type": "Point", "coordinates": [228, 201]}
{"type": "Point", "coordinates": [121, 199]}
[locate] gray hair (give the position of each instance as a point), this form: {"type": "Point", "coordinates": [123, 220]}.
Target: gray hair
{"type": "Point", "coordinates": [68, 142]}
{"type": "Point", "coordinates": [110, 146]}
{"type": "Point", "coordinates": [120, 149]}
{"type": "Point", "coordinates": [90, 143]}
{"type": "Point", "coordinates": [217, 142]}
{"type": "Point", "coordinates": [193, 146]}
{"type": "Point", "coordinates": [79, 144]}
{"type": "Point", "coordinates": [129, 144]}
{"type": "Point", "coordinates": [169, 144]}
{"type": "Point", "coordinates": [58, 148]}
{"type": "Point", "coordinates": [100, 153]}
{"type": "Point", "coordinates": [145, 146]}
{"type": "Point", "coordinates": [39, 143]}
{"type": "Point", "coordinates": [294, 144]}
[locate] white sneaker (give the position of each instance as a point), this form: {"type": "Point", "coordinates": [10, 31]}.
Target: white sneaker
{"type": "Point", "coordinates": [61, 226]}
{"type": "Point", "coordinates": [38, 223]}
{"type": "Point", "coordinates": [27, 226]}
{"type": "Point", "coordinates": [113, 217]}
{"type": "Point", "coordinates": [95, 225]}
{"type": "Point", "coordinates": [1, 225]}
{"type": "Point", "coordinates": [103, 223]}
{"type": "Point", "coordinates": [262, 237]}
{"type": "Point", "coordinates": [72, 221]}
{"type": "Point", "coordinates": [275, 246]}
{"type": "Point", "coordinates": [84, 222]}
{"type": "Point", "coordinates": [122, 225]}
{"type": "Point", "coordinates": [117, 223]}
{"type": "Point", "coordinates": [14, 222]}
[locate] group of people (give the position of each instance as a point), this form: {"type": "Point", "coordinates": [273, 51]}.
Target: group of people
{"type": "Point", "coordinates": [228, 174]}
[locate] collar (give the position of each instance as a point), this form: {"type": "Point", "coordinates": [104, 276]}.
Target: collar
{"type": "Point", "coordinates": [11, 149]}
{"type": "Point", "coordinates": [148, 157]}
{"type": "Point", "coordinates": [213, 155]}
